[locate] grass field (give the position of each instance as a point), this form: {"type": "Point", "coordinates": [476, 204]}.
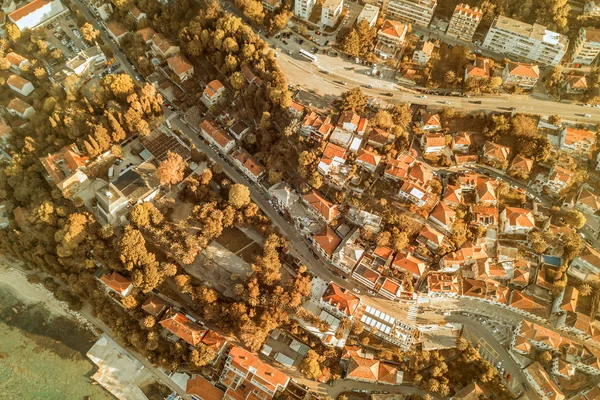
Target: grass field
{"type": "Point", "coordinates": [233, 239]}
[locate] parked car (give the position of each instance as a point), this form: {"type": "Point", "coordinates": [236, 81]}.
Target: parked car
{"type": "Point", "coordinates": [356, 290]}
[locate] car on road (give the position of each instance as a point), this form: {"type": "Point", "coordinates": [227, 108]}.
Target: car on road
{"type": "Point", "coordinates": [341, 82]}
{"type": "Point", "coordinates": [372, 293]}
{"type": "Point", "coordinates": [447, 102]}
{"type": "Point", "coordinates": [344, 278]}
{"type": "Point", "coordinates": [326, 43]}
{"type": "Point", "coordinates": [421, 96]}
{"type": "Point", "coordinates": [335, 273]}
{"type": "Point", "coordinates": [475, 101]}
{"type": "Point", "coordinates": [318, 32]}
{"type": "Point", "coordinates": [356, 290]}
{"type": "Point", "coordinates": [587, 115]}
{"type": "Point", "coordinates": [324, 72]}
{"type": "Point", "coordinates": [388, 94]}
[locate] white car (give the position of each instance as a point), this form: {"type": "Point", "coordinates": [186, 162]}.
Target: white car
{"type": "Point", "coordinates": [356, 290]}
{"type": "Point", "coordinates": [421, 96]}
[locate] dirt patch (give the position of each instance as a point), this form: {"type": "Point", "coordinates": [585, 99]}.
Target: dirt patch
{"type": "Point", "coordinates": [233, 239]}
{"type": "Point", "coordinates": [250, 252]}
{"type": "Point", "coordinates": [156, 391]}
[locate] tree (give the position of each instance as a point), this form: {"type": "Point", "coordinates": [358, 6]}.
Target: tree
{"type": "Point", "coordinates": [310, 366]}
{"type": "Point", "coordinates": [121, 85]}
{"type": "Point", "coordinates": [202, 355]}
{"type": "Point", "coordinates": [89, 33]}
{"type": "Point", "coordinates": [585, 289]}
{"type": "Point", "coordinates": [12, 31]}
{"type": "Point", "coordinates": [315, 180]}
{"type": "Point", "coordinates": [355, 100]}
{"type": "Point", "coordinates": [537, 241]}
{"type": "Point", "coordinates": [239, 196]}
{"type": "Point", "coordinates": [129, 302]}
{"type": "Point", "coordinates": [171, 170]}
{"type": "Point", "coordinates": [555, 119]}
{"type": "Point", "coordinates": [544, 358]}
{"type": "Point", "coordinates": [575, 219]}
{"type": "Point", "coordinates": [149, 321]}
{"type": "Point", "coordinates": [382, 119]}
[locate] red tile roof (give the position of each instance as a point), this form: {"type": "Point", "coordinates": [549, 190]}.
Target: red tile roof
{"type": "Point", "coordinates": [182, 327]}
{"type": "Point", "coordinates": [27, 9]}
{"type": "Point", "coordinates": [479, 69]}
{"type": "Point", "coordinates": [368, 157]}
{"type": "Point", "coordinates": [17, 81]}
{"type": "Point", "coordinates": [154, 305]}
{"type": "Point", "coordinates": [527, 303]}
{"type": "Point", "coordinates": [443, 213]}
{"type": "Point", "coordinates": [443, 283]}
{"type": "Point", "coordinates": [341, 299]}
{"type": "Point", "coordinates": [147, 33]}
{"type": "Point", "coordinates": [431, 120]}
{"type": "Point", "coordinates": [432, 234]}
{"type": "Point", "coordinates": [179, 64]}
{"type": "Point", "coordinates": [405, 260]}
{"type": "Point", "coordinates": [218, 134]}
{"type": "Point", "coordinates": [328, 240]}
{"type": "Point", "coordinates": [573, 136]}
{"type": "Point", "coordinates": [203, 389]}
{"type": "Point", "coordinates": [434, 139]}
{"type": "Point", "coordinates": [268, 376]}
{"type": "Point", "coordinates": [522, 163]}
{"type": "Point", "coordinates": [213, 88]}
{"type": "Point", "coordinates": [394, 28]}
{"type": "Point", "coordinates": [519, 217]}
{"type": "Point", "coordinates": [523, 69]}
{"type": "Point", "coordinates": [323, 207]}
{"type": "Point", "coordinates": [116, 282]}
{"type": "Point", "coordinates": [496, 151]}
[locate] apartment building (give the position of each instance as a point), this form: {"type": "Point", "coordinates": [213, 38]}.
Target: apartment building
{"type": "Point", "coordinates": [591, 8]}
{"type": "Point", "coordinates": [331, 11]}
{"type": "Point", "coordinates": [464, 22]}
{"type": "Point", "coordinates": [586, 46]}
{"type": "Point", "coordinates": [416, 12]}
{"type": "Point", "coordinates": [303, 8]}
{"type": "Point", "coordinates": [531, 42]}
{"type": "Point", "coordinates": [369, 13]}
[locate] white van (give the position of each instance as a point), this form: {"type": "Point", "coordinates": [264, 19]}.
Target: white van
{"type": "Point", "coordinates": [111, 172]}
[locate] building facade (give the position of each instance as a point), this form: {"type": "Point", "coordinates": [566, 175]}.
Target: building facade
{"type": "Point", "coordinates": [530, 42]}
{"type": "Point", "coordinates": [586, 46]}
{"type": "Point", "coordinates": [303, 8]}
{"type": "Point", "coordinates": [331, 11]}
{"type": "Point", "coordinates": [416, 12]}
{"type": "Point", "coordinates": [464, 22]}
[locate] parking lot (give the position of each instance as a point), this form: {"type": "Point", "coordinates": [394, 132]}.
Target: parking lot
{"type": "Point", "coordinates": [63, 34]}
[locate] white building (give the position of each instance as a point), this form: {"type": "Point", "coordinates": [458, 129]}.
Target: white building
{"type": "Point", "coordinates": [212, 93]}
{"type": "Point", "coordinates": [422, 53]}
{"type": "Point", "coordinates": [303, 8]}
{"type": "Point", "coordinates": [20, 85]}
{"type": "Point", "coordinates": [416, 12]}
{"type": "Point", "coordinates": [592, 8]}
{"type": "Point", "coordinates": [531, 42]}
{"type": "Point", "coordinates": [331, 12]}
{"type": "Point", "coordinates": [37, 13]}
{"type": "Point", "coordinates": [369, 13]}
{"type": "Point", "coordinates": [104, 9]}
{"type": "Point", "coordinates": [19, 108]}
{"type": "Point", "coordinates": [586, 46]}
{"type": "Point", "coordinates": [217, 136]}
{"type": "Point", "coordinates": [86, 60]}
{"type": "Point", "coordinates": [578, 142]}
{"type": "Point", "coordinates": [464, 22]}
{"type": "Point", "coordinates": [271, 5]}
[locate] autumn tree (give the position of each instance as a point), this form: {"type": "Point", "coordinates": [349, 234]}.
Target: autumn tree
{"type": "Point", "coordinates": [355, 100]}
{"type": "Point", "coordinates": [585, 289]}
{"type": "Point", "coordinates": [544, 358]}
{"type": "Point", "coordinates": [239, 196]}
{"type": "Point", "coordinates": [537, 242]}
{"type": "Point", "coordinates": [310, 366]}
{"type": "Point", "coordinates": [12, 32]}
{"type": "Point", "coordinates": [575, 219]}
{"type": "Point", "coordinates": [171, 170]}
{"type": "Point", "coordinates": [89, 33]}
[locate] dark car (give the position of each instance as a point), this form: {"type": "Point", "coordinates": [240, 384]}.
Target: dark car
{"type": "Point", "coordinates": [388, 94]}
{"type": "Point", "coordinates": [324, 72]}
{"type": "Point", "coordinates": [475, 101]}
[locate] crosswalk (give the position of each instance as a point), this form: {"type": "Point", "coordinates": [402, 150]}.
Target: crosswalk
{"type": "Point", "coordinates": [412, 314]}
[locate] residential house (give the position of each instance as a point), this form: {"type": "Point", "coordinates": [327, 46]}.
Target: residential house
{"type": "Point", "coordinates": [201, 389]}
{"type": "Point", "coordinates": [464, 22]}
{"type": "Point", "coordinates": [349, 252]}
{"type": "Point", "coordinates": [587, 202]}
{"type": "Point", "coordinates": [364, 368]}
{"type": "Point", "coordinates": [19, 108]}
{"type": "Point", "coordinates": [461, 142]}
{"type": "Point", "coordinates": [369, 13]}
{"type": "Point", "coordinates": [18, 63]}
{"type": "Point", "coordinates": [433, 143]}
{"type": "Point", "coordinates": [586, 264]}
{"type": "Point", "coordinates": [271, 5]}
{"type": "Point", "coordinates": [117, 283]}
{"type": "Point", "coordinates": [213, 93]}
{"type": "Point", "coordinates": [316, 127]}
{"type": "Point", "coordinates": [147, 34]}
{"type": "Point", "coordinates": [443, 216]}
{"type": "Point", "coordinates": [453, 195]}
{"type": "Point", "coordinates": [248, 164]}
{"type": "Point", "coordinates": [330, 12]}
{"type": "Point", "coordinates": [112, 204]}
{"type": "Point", "coordinates": [542, 383]}
{"type": "Point", "coordinates": [575, 83]}
{"type": "Point", "coordinates": [421, 174]}
{"type": "Point", "coordinates": [431, 237]}
{"type": "Point", "coordinates": [586, 46]}
{"type": "Point", "coordinates": [247, 377]}
{"type": "Point", "coordinates": [339, 302]}
{"type": "Point", "coordinates": [296, 109]}
{"type": "Point", "coordinates": [515, 220]}
{"type": "Point", "coordinates": [558, 179]}
{"type": "Point", "coordinates": [104, 9]}
{"type": "Point", "coordinates": [303, 8]}
{"type": "Point", "coordinates": [251, 77]}
{"type": "Point", "coordinates": [486, 216]}
{"type": "Point", "coordinates": [348, 120]}
{"type": "Point", "coordinates": [364, 219]}
{"type": "Point", "coordinates": [321, 207]}
{"type": "Point", "coordinates": [415, 12]}
{"type": "Point", "coordinates": [390, 289]}
{"type": "Point", "coordinates": [527, 305]}
{"type": "Point", "coordinates": [379, 138]}
{"type": "Point", "coordinates": [154, 306]}
{"type": "Point", "coordinates": [405, 260]}
{"type": "Point", "coordinates": [480, 69]}
{"type": "Point", "coordinates": [36, 14]}
{"type": "Point", "coordinates": [578, 142]}
{"type": "Point", "coordinates": [283, 195]}
{"type": "Point", "coordinates": [163, 47]}
{"type": "Point", "coordinates": [391, 39]}
{"type": "Point", "coordinates": [326, 241]}
{"type": "Point", "coordinates": [468, 255]}
{"type": "Point", "coordinates": [472, 391]}
{"type": "Point", "coordinates": [443, 284]}
{"type": "Point", "coordinates": [367, 274]}
{"type": "Point", "coordinates": [532, 42]}
{"type": "Point", "coordinates": [20, 85]}
{"type": "Point", "coordinates": [414, 193]}
{"type": "Point", "coordinates": [116, 30]}
{"type": "Point", "coordinates": [495, 153]}
{"type": "Point", "coordinates": [239, 129]}
{"type": "Point", "coordinates": [183, 327]}
{"type": "Point", "coordinates": [347, 139]}
{"type": "Point", "coordinates": [66, 169]}
{"type": "Point", "coordinates": [368, 159]}
{"type": "Point", "coordinates": [333, 158]}
{"type": "Point", "coordinates": [181, 67]}
{"type": "Point", "coordinates": [398, 169]}
{"type": "Point", "coordinates": [216, 136]}
{"type": "Point", "coordinates": [430, 122]}
{"type": "Point", "coordinates": [521, 166]}
{"type": "Point", "coordinates": [362, 126]}
{"type": "Point", "coordinates": [566, 300]}
{"type": "Point", "coordinates": [137, 14]}
{"type": "Point", "coordinates": [485, 194]}
{"type": "Point", "coordinates": [5, 132]}
{"type": "Point", "coordinates": [521, 75]}
{"type": "Point", "coordinates": [423, 53]}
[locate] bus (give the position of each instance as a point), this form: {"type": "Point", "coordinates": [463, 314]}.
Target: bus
{"type": "Point", "coordinates": [306, 54]}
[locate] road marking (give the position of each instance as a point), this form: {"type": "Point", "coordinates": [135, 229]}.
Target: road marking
{"type": "Point", "coordinates": [488, 348]}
